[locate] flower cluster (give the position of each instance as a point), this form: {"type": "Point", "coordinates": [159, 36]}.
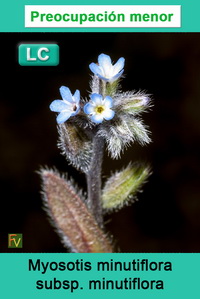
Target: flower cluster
{"type": "Point", "coordinates": [106, 103]}
{"type": "Point", "coordinates": [99, 107]}
{"type": "Point", "coordinates": [108, 117]}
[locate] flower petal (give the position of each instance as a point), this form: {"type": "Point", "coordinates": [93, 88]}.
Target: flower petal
{"type": "Point", "coordinates": [88, 108]}
{"type": "Point", "coordinates": [119, 65]}
{"type": "Point", "coordinates": [77, 96]}
{"type": "Point", "coordinates": [104, 78]}
{"type": "Point", "coordinates": [63, 116]}
{"type": "Point", "coordinates": [97, 99]}
{"type": "Point", "coordinates": [108, 114]}
{"type": "Point", "coordinates": [58, 106]}
{"type": "Point", "coordinates": [114, 78]}
{"type": "Point", "coordinates": [108, 102]}
{"type": "Point", "coordinates": [66, 94]}
{"type": "Point", "coordinates": [104, 61]}
{"type": "Point", "coordinates": [95, 69]}
{"type": "Point", "coordinates": [97, 118]}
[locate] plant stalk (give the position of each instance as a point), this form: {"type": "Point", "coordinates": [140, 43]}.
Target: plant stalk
{"type": "Point", "coordinates": [93, 177]}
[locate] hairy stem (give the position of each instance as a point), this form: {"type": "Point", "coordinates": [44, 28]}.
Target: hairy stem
{"type": "Point", "coordinates": [103, 88]}
{"type": "Point", "coordinates": [94, 180]}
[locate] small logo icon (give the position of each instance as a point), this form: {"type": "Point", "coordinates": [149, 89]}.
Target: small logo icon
{"type": "Point", "coordinates": [15, 240]}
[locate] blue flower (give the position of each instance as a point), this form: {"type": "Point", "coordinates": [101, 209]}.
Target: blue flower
{"type": "Point", "coordinates": [68, 106]}
{"type": "Point", "coordinates": [99, 108]}
{"type": "Point", "coordinates": [105, 70]}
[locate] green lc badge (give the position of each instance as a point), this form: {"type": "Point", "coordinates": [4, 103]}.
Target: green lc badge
{"type": "Point", "coordinates": [38, 54]}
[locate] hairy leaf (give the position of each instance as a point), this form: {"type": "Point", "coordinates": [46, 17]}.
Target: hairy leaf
{"type": "Point", "coordinates": [112, 87]}
{"type": "Point", "coordinates": [138, 130]}
{"type": "Point", "coordinates": [132, 103]}
{"type": "Point", "coordinates": [75, 145]}
{"type": "Point", "coordinates": [121, 132]}
{"type": "Point", "coordinates": [70, 216]}
{"type": "Point", "coordinates": [121, 188]}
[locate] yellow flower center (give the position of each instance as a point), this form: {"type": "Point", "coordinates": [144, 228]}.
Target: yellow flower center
{"type": "Point", "coordinates": [99, 109]}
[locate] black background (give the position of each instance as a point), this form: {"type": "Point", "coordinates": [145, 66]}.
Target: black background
{"type": "Point", "coordinates": [167, 65]}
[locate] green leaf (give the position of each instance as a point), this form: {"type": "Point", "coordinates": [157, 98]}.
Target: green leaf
{"type": "Point", "coordinates": [121, 188]}
{"type": "Point", "coordinates": [70, 216]}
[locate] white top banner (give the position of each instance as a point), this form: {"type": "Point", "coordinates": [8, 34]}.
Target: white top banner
{"type": "Point", "coordinates": [102, 16]}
